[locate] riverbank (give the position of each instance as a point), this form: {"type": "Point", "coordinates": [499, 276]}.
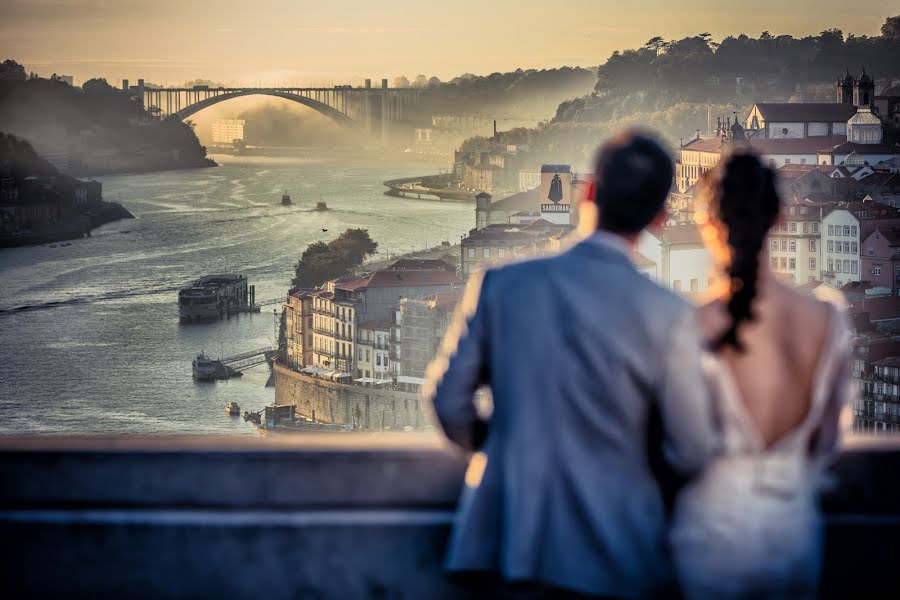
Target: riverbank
{"type": "Point", "coordinates": [103, 213]}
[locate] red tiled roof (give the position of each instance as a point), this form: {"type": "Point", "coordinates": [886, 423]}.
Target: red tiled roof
{"type": "Point", "coordinates": [390, 278]}
{"type": "Point", "coordinates": [420, 264]}
{"type": "Point", "coordinates": [806, 112]}
{"type": "Point", "coordinates": [445, 299]}
{"type": "Point", "coordinates": [681, 234]}
{"type": "Point", "coordinates": [880, 309]}
{"type": "Point", "coordinates": [808, 145]}
{"type": "Point", "coordinates": [846, 147]}
{"type": "Point", "coordinates": [713, 144]}
{"type": "Point", "coordinates": [891, 234]}
{"type": "Point", "coordinates": [376, 325]}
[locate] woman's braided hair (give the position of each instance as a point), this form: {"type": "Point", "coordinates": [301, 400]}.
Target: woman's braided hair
{"type": "Point", "coordinates": [742, 196]}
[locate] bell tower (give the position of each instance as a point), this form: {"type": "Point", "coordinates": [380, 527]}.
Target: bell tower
{"type": "Point", "coordinates": [864, 91]}
{"type": "Point", "coordinates": [845, 89]}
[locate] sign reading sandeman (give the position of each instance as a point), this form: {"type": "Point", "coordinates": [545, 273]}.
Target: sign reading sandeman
{"type": "Point", "coordinates": [556, 193]}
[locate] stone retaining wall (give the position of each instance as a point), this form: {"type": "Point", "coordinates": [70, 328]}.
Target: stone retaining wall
{"type": "Point", "coordinates": [361, 407]}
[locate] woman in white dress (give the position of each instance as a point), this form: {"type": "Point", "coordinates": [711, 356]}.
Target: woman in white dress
{"type": "Point", "coordinates": [750, 526]}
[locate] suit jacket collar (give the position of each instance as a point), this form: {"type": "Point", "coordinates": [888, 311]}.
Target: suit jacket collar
{"type": "Point", "coordinates": [607, 246]}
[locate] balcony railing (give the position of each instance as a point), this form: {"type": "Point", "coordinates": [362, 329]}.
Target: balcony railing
{"type": "Point", "coordinates": [120, 514]}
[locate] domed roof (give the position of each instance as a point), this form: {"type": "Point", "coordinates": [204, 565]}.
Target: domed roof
{"type": "Point", "coordinates": [864, 116]}
{"type": "Point", "coordinates": [865, 77]}
{"type": "Point", "coordinates": [848, 78]}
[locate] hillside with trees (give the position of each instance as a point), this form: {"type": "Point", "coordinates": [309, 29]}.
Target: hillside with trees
{"type": "Point", "coordinates": [675, 86]}
{"type": "Point", "coordinates": [102, 129]}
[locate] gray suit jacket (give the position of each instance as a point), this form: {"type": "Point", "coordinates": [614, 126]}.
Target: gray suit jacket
{"type": "Point", "coordinates": [576, 349]}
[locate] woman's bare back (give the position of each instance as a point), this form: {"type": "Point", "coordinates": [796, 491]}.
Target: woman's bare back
{"type": "Point", "coordinates": [775, 372]}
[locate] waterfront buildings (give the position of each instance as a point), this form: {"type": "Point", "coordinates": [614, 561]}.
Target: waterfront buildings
{"type": "Point", "coordinates": [424, 322]}
{"type": "Point", "coordinates": [501, 242]}
{"type": "Point", "coordinates": [795, 243]}
{"type": "Point", "coordinates": [676, 258]}
{"type": "Point", "coordinates": [344, 329]}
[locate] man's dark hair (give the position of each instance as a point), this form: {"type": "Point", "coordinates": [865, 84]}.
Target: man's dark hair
{"type": "Point", "coordinates": [632, 177]}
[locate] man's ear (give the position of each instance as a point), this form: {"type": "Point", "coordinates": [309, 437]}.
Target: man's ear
{"type": "Point", "coordinates": [658, 221]}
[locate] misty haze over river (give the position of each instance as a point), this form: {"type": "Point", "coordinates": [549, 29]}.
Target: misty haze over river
{"type": "Point", "coordinates": [90, 333]}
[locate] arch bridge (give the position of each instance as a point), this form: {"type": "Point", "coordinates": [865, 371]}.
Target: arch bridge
{"type": "Point", "coordinates": [371, 110]}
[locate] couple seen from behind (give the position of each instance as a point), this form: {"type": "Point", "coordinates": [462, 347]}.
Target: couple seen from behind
{"type": "Point", "coordinates": [639, 446]}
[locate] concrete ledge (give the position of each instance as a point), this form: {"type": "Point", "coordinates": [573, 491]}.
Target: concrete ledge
{"type": "Point", "coordinates": [308, 516]}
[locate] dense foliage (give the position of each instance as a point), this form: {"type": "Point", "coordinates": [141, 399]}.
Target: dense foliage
{"type": "Point", "coordinates": [322, 261]}
{"type": "Point", "coordinates": [19, 157]}
{"type": "Point", "coordinates": [676, 87]}
{"type": "Point", "coordinates": [530, 94]}
{"type": "Point", "coordinates": [96, 118]}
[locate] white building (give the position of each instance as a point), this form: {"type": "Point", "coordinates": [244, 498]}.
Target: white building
{"type": "Point", "coordinates": [795, 244]}
{"type": "Point", "coordinates": [682, 262]}
{"type": "Point", "coordinates": [798, 120]}
{"type": "Point", "coordinates": [841, 247]}
{"type": "Point", "coordinates": [227, 131]}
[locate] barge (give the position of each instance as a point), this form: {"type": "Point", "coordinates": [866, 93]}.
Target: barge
{"type": "Point", "coordinates": [213, 297]}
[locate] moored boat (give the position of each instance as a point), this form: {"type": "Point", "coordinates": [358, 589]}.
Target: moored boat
{"type": "Point", "coordinates": [286, 199]}
{"type": "Point", "coordinates": [212, 297]}
{"type": "Point", "coordinates": [233, 409]}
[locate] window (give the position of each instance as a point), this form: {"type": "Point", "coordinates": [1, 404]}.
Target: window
{"type": "Point", "coordinates": [831, 230]}
{"type": "Point", "coordinates": [830, 246]}
{"type": "Point", "coordinates": [830, 265]}
{"type": "Point", "coordinates": [805, 225]}
{"type": "Point", "coordinates": [853, 230]}
{"type": "Point", "coordinates": [871, 251]}
{"type": "Point", "coordinates": [846, 247]}
{"type": "Point", "coordinates": [815, 228]}
{"type": "Point", "coordinates": [847, 230]}
{"type": "Point", "coordinates": [812, 245]}
{"type": "Point", "coordinates": [837, 266]}
{"type": "Point", "coordinates": [783, 227]}
{"type": "Point", "coordinates": [793, 245]}
{"type": "Point", "coordinates": [783, 263]}
{"type": "Point", "coordinates": [876, 270]}
{"type": "Point", "coordinates": [676, 285]}
{"type": "Point", "coordinates": [471, 252]}
{"type": "Point", "coordinates": [485, 253]}
{"type": "Point", "coordinates": [792, 264]}
{"type": "Point", "coordinates": [774, 244]}
{"type": "Point", "coordinates": [773, 262]}
{"type": "Point", "coordinates": [787, 161]}
{"type": "Point", "coordinates": [854, 248]}
{"type": "Point", "coordinates": [784, 245]}
{"type": "Point", "coordinates": [695, 285]}
{"type": "Point", "coordinates": [793, 226]}
{"type": "Point", "coordinates": [378, 359]}
{"type": "Point", "coordinates": [846, 265]}
{"type": "Point", "coordinates": [853, 267]}
{"type": "Point", "coordinates": [501, 252]}
{"type": "Point", "coordinates": [812, 264]}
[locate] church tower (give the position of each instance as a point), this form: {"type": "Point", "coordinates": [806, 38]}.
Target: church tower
{"type": "Point", "coordinates": [845, 89]}
{"type": "Point", "coordinates": [864, 91]}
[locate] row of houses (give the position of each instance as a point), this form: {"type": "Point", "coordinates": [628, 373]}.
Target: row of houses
{"type": "Point", "coordinates": [376, 329]}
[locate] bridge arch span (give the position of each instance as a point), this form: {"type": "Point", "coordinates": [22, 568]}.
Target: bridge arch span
{"type": "Point", "coordinates": [320, 107]}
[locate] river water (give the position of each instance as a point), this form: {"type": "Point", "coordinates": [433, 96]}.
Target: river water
{"type": "Point", "coordinates": [90, 337]}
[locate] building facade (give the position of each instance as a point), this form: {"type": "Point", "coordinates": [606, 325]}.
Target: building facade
{"type": "Point", "coordinates": [880, 258]}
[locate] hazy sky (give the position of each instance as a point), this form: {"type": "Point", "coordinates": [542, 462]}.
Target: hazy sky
{"type": "Point", "coordinates": [331, 41]}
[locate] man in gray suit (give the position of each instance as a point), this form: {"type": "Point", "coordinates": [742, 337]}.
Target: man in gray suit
{"type": "Point", "coordinates": [580, 352]}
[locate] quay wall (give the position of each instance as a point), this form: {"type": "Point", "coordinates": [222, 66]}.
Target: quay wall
{"type": "Point", "coordinates": [361, 407]}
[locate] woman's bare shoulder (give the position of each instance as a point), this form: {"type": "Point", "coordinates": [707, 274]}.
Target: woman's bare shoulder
{"type": "Point", "coordinates": [713, 318]}
{"type": "Point", "coordinates": [806, 316]}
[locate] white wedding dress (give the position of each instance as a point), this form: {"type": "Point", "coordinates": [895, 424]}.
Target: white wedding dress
{"type": "Point", "coordinates": [750, 526]}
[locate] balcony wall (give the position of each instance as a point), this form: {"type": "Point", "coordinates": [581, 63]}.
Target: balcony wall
{"type": "Point", "coordinates": [311, 516]}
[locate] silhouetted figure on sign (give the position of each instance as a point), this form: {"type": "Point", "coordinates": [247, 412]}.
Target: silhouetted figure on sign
{"type": "Point", "coordinates": [580, 351]}
{"type": "Point", "coordinates": [556, 191]}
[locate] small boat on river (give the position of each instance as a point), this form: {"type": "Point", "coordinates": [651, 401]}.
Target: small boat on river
{"type": "Point", "coordinates": [286, 199]}
{"type": "Point", "coordinates": [233, 409]}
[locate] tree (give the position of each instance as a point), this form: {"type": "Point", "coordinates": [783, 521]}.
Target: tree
{"type": "Point", "coordinates": [433, 82]}
{"type": "Point", "coordinates": [891, 28]}
{"type": "Point", "coordinates": [401, 81]}
{"type": "Point", "coordinates": [420, 81]}
{"type": "Point", "coordinates": [96, 86]}
{"type": "Point", "coordinates": [322, 261]}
